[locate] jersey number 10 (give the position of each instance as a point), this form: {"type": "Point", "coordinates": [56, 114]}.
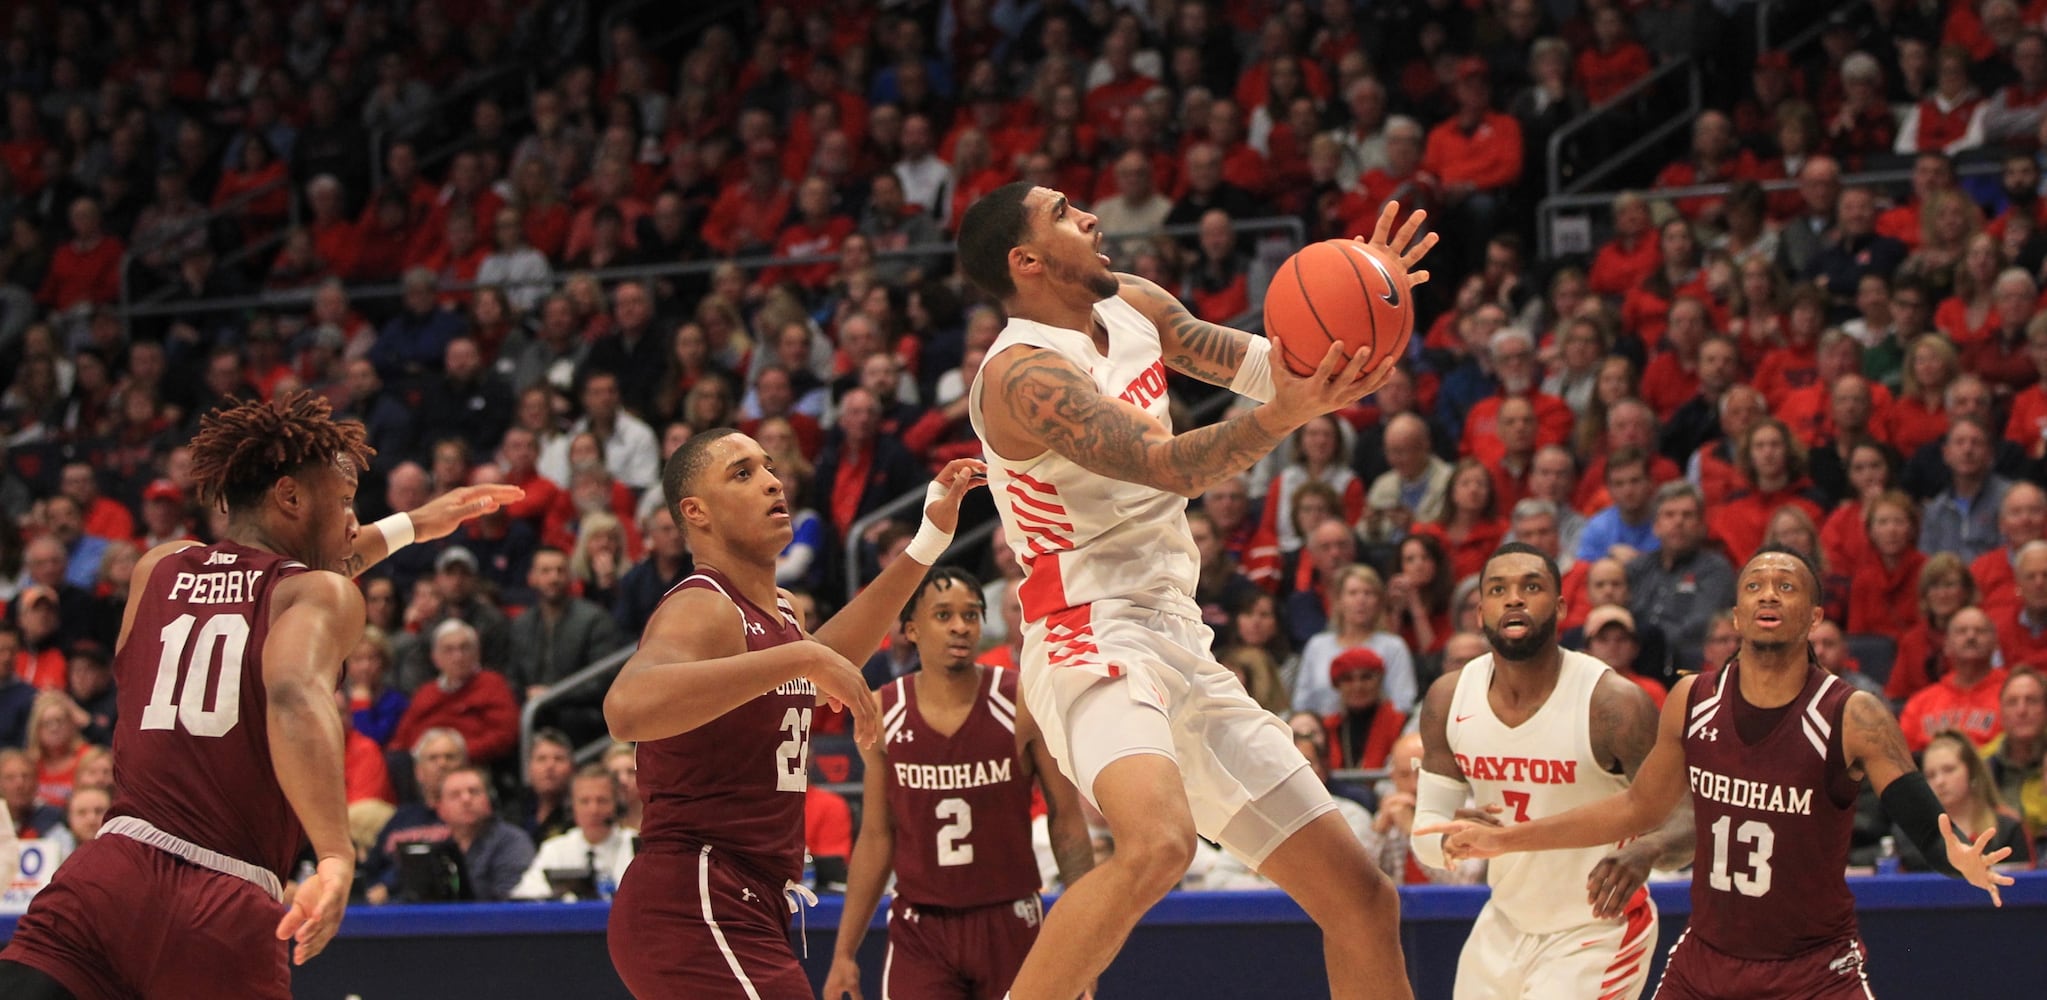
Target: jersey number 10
{"type": "Point", "coordinates": [216, 663]}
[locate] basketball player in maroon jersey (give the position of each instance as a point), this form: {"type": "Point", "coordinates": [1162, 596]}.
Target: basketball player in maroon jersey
{"type": "Point", "coordinates": [949, 793]}
{"type": "Point", "coordinates": [229, 746]}
{"type": "Point", "coordinates": [1772, 750]}
{"type": "Point", "coordinates": [720, 697]}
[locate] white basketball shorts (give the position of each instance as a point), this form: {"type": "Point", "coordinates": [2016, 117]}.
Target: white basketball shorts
{"type": "Point", "coordinates": [1604, 960]}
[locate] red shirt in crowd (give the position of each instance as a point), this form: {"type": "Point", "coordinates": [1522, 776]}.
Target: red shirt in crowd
{"type": "Point", "coordinates": [1486, 155]}
{"type": "Point", "coordinates": [1621, 265]}
{"type": "Point", "coordinates": [83, 273]}
{"type": "Point", "coordinates": [1885, 601]}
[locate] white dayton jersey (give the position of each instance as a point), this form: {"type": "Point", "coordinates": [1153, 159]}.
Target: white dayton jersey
{"type": "Point", "coordinates": [1080, 536]}
{"type": "Point", "coordinates": [1540, 768]}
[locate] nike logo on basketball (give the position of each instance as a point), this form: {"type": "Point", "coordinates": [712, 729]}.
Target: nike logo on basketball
{"type": "Point", "coordinates": [1392, 293]}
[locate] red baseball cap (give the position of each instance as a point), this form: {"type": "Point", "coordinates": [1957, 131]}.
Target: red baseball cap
{"type": "Point", "coordinates": [1472, 68]}
{"type": "Point", "coordinates": [163, 489]}
{"type": "Point", "coordinates": [1351, 661]}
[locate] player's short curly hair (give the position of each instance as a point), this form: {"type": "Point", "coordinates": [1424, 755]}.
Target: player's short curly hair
{"type": "Point", "coordinates": [245, 448]}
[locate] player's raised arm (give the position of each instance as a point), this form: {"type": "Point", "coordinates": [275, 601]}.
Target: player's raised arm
{"type": "Point", "coordinates": [1875, 745]}
{"type": "Point", "coordinates": [693, 666]}
{"type": "Point", "coordinates": [1045, 402]}
{"type": "Point", "coordinates": [1658, 786]}
{"type": "Point", "coordinates": [867, 872]}
{"type": "Point", "coordinates": [317, 620]}
{"type": "Point", "coordinates": [437, 518]}
{"type": "Point", "coordinates": [856, 631]}
{"type": "Point", "coordinates": [1624, 728]}
{"type": "Point", "coordinates": [1234, 359]}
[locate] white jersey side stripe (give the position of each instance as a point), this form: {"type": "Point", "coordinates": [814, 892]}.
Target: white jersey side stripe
{"type": "Point", "coordinates": [718, 933]}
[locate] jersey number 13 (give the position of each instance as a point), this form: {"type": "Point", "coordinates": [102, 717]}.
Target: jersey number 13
{"type": "Point", "coordinates": [1760, 840]}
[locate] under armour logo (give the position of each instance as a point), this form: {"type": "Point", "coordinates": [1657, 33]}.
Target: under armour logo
{"type": "Point", "coordinates": [905, 736]}
{"type": "Point", "coordinates": [755, 628]}
{"type": "Point", "coordinates": [747, 894]}
{"type": "Point", "coordinates": [1710, 735]}
{"type": "Point", "coordinates": [1027, 910]}
{"type": "Point", "coordinates": [910, 914]}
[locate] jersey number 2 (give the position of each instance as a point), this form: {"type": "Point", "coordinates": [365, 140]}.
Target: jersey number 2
{"type": "Point", "coordinates": [792, 758]}
{"type": "Point", "coordinates": [222, 643]}
{"type": "Point", "coordinates": [1761, 840]}
{"type": "Point", "coordinates": [953, 850]}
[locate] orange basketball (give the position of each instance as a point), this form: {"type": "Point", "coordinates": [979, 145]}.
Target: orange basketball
{"type": "Point", "coordinates": [1339, 291]}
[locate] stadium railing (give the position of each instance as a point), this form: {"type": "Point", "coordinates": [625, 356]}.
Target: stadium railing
{"type": "Point", "coordinates": [560, 690]}
{"type": "Point", "coordinates": [203, 223]}
{"type": "Point", "coordinates": [1631, 101]}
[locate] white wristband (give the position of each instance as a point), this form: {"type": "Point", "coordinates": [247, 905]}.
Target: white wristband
{"type": "Point", "coordinates": [930, 542]}
{"type": "Point", "coordinates": [1254, 373]}
{"type": "Point", "coordinates": [397, 531]}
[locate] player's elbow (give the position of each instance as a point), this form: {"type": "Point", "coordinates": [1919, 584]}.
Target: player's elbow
{"type": "Point", "coordinates": [620, 717]}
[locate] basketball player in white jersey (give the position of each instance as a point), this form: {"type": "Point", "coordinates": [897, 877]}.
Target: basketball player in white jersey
{"type": "Point", "coordinates": [1092, 485]}
{"type": "Point", "coordinates": [1531, 730]}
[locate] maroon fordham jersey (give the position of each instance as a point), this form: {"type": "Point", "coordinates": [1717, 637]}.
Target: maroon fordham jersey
{"type": "Point", "coordinates": [961, 804]}
{"type": "Point", "coordinates": [736, 783]}
{"type": "Point", "coordinates": [1773, 819]}
{"type": "Point", "coordinates": [192, 744]}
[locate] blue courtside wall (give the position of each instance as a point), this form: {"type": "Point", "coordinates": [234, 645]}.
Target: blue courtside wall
{"type": "Point", "coordinates": [1928, 937]}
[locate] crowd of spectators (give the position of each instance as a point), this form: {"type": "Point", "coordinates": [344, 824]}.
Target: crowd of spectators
{"type": "Point", "coordinates": [419, 210]}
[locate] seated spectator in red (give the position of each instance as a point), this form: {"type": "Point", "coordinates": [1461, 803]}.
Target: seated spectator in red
{"type": "Point", "coordinates": [1635, 252]}
{"type": "Point", "coordinates": [86, 269]}
{"type": "Point", "coordinates": [1514, 467]}
{"type": "Point", "coordinates": [1945, 588]}
{"type": "Point", "coordinates": [468, 186]}
{"type": "Point", "coordinates": [2021, 519]}
{"type": "Point", "coordinates": [1796, 130]}
{"type": "Point", "coordinates": [1714, 159]}
{"type": "Point", "coordinates": [975, 173]}
{"type": "Point", "coordinates": [1965, 696]}
{"type": "Point", "coordinates": [860, 469]}
{"type": "Point", "coordinates": [1840, 405]}
{"type": "Point", "coordinates": [1614, 60]}
{"type": "Point", "coordinates": [1672, 377]}
{"type": "Point", "coordinates": [1920, 417]}
{"type": "Point", "coordinates": [1471, 524]}
{"type": "Point", "coordinates": [104, 517]}
{"type": "Point", "coordinates": [748, 216]}
{"type": "Point", "coordinates": [1477, 151]}
{"type": "Point", "coordinates": [464, 697]}
{"type": "Point", "coordinates": [1970, 313]}
{"type": "Point", "coordinates": [255, 192]}
{"type": "Point", "coordinates": [1714, 466]}
{"type": "Point", "coordinates": [1516, 371]}
{"type": "Point", "coordinates": [1126, 87]}
{"type": "Point", "coordinates": [1772, 465]}
{"type": "Point", "coordinates": [386, 223]}
{"type": "Point", "coordinates": [1218, 277]}
{"type": "Point", "coordinates": [1795, 364]}
{"type": "Point", "coordinates": [1361, 733]}
{"type": "Point", "coordinates": [1932, 174]}
{"type": "Point", "coordinates": [2003, 359]}
{"type": "Point", "coordinates": [2027, 426]}
{"type": "Point", "coordinates": [817, 229]}
{"type": "Point", "coordinates": [1949, 120]}
{"type": "Point", "coordinates": [335, 239]}
{"type": "Point", "coordinates": [1883, 588]}
{"type": "Point", "coordinates": [538, 199]}
{"type": "Point", "coordinates": [23, 151]}
{"type": "Point", "coordinates": [1610, 639]}
{"type": "Point", "coordinates": [1756, 113]}
{"type": "Point", "coordinates": [1863, 125]}
{"type": "Point", "coordinates": [402, 179]}
{"type": "Point", "coordinates": [1645, 309]}
{"type": "Point", "coordinates": [1630, 424]}
{"type": "Point", "coordinates": [2022, 627]}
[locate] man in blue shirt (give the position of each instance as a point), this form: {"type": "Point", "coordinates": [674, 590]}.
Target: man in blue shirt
{"type": "Point", "coordinates": [1963, 518]}
{"type": "Point", "coordinates": [1626, 529]}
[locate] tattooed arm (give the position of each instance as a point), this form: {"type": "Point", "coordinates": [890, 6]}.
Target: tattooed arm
{"type": "Point", "coordinates": [1874, 745]}
{"type": "Point", "coordinates": [1190, 345]}
{"type": "Point", "coordinates": [1624, 725]}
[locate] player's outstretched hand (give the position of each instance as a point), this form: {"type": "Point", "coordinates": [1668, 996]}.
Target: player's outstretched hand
{"type": "Point", "coordinates": [1615, 879]}
{"type": "Point", "coordinates": [1341, 380]}
{"type": "Point", "coordinates": [439, 517]}
{"type": "Point", "coordinates": [1403, 244]}
{"type": "Point", "coordinates": [958, 477]}
{"type": "Point", "coordinates": [1970, 859]}
{"type": "Point", "coordinates": [316, 909]}
{"type": "Point", "coordinates": [840, 685]}
{"type": "Point", "coordinates": [1465, 839]}
{"type": "Point", "coordinates": [843, 981]}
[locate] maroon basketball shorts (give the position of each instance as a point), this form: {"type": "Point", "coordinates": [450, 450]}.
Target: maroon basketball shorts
{"type": "Point", "coordinates": [1698, 971]}
{"type": "Point", "coordinates": [122, 919]}
{"type": "Point", "coordinates": [967, 954]}
{"type": "Point", "coordinates": [688, 924]}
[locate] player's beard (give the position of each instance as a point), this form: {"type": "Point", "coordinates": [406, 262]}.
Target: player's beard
{"type": "Point", "coordinates": [1101, 282]}
{"type": "Point", "coordinates": [1539, 637]}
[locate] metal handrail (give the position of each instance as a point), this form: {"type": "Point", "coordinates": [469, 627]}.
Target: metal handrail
{"type": "Point", "coordinates": [1555, 205]}
{"type": "Point", "coordinates": [433, 109]}
{"type": "Point", "coordinates": [1797, 41]}
{"type": "Point", "coordinates": [360, 293]}
{"type": "Point", "coordinates": [561, 688]}
{"type": "Point", "coordinates": [1594, 114]}
{"type": "Point", "coordinates": [1648, 139]}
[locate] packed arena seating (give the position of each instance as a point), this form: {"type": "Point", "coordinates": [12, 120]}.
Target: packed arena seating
{"type": "Point", "coordinates": [545, 241]}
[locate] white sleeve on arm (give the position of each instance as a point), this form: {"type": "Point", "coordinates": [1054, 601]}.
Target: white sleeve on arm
{"type": "Point", "coordinates": [1254, 373]}
{"type": "Point", "coordinates": [1436, 800]}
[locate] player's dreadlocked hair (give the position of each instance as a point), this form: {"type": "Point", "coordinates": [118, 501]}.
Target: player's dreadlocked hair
{"type": "Point", "coordinates": [242, 450]}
